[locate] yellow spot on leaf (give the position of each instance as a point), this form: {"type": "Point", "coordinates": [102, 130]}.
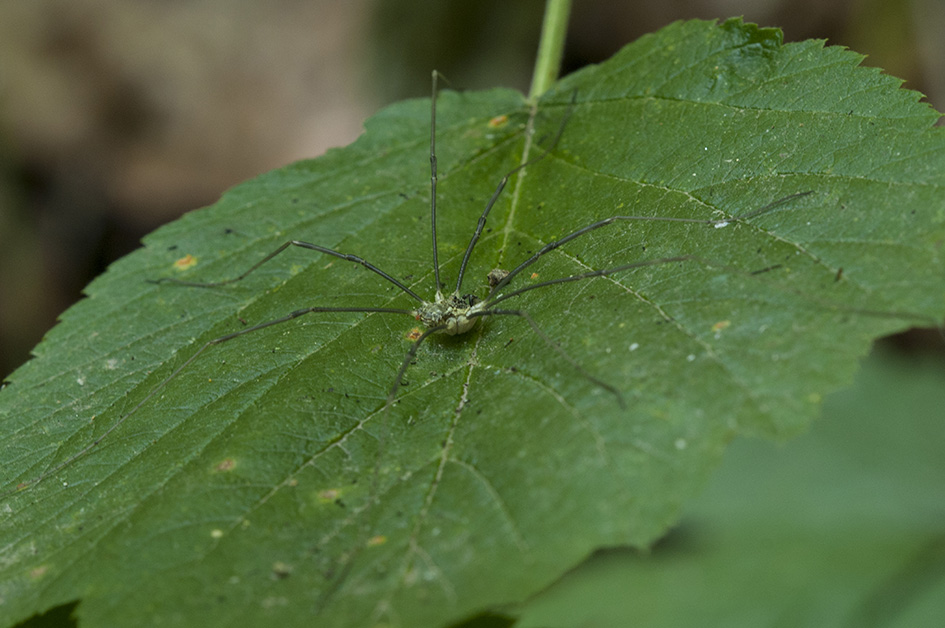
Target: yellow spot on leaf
{"type": "Point", "coordinates": [374, 541]}
{"type": "Point", "coordinates": [498, 121]}
{"type": "Point", "coordinates": [329, 495]}
{"type": "Point", "coordinates": [185, 262]}
{"type": "Point", "coordinates": [721, 325]}
{"type": "Point", "coordinates": [227, 464]}
{"type": "Point", "coordinates": [414, 333]}
{"type": "Point", "coordinates": [38, 572]}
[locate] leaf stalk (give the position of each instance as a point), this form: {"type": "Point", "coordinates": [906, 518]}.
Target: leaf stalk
{"type": "Point", "coordinates": [554, 27]}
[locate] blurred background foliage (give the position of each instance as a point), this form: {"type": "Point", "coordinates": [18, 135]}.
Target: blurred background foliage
{"type": "Point", "coordinates": [842, 527]}
{"type": "Point", "coordinates": [116, 117]}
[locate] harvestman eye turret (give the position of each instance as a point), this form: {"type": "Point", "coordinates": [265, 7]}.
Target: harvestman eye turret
{"type": "Point", "coordinates": [455, 313]}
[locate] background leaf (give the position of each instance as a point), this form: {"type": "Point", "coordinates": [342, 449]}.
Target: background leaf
{"type": "Point", "coordinates": [841, 527]}
{"type": "Point", "coordinates": [267, 483]}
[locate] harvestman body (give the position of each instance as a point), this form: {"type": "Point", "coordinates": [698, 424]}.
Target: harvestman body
{"type": "Point", "coordinates": [454, 313]}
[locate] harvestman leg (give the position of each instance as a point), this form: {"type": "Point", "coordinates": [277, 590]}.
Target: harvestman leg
{"type": "Point", "coordinates": [492, 300]}
{"type": "Point", "coordinates": [237, 334]}
{"type": "Point", "coordinates": [480, 225]}
{"type": "Point", "coordinates": [305, 245]}
{"type": "Point", "coordinates": [188, 362]}
{"type": "Point", "coordinates": [607, 221]}
{"type": "Point", "coordinates": [344, 256]}
{"type": "Point", "coordinates": [548, 341]}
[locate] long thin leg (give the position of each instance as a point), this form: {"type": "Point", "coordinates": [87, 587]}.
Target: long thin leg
{"type": "Point", "coordinates": [694, 258]}
{"type": "Point", "coordinates": [551, 282]}
{"type": "Point", "coordinates": [556, 347]}
{"type": "Point", "coordinates": [594, 273]}
{"type": "Point", "coordinates": [433, 177]}
{"type": "Point", "coordinates": [188, 362]}
{"type": "Point", "coordinates": [607, 221]}
{"type": "Point", "coordinates": [495, 195]}
{"type": "Point", "coordinates": [411, 354]}
{"type": "Point", "coordinates": [305, 245]}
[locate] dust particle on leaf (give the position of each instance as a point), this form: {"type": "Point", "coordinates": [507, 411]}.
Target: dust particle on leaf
{"type": "Point", "coordinates": [281, 570]}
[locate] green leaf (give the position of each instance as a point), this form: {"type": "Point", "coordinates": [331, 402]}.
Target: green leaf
{"type": "Point", "coordinates": [267, 483]}
{"type": "Point", "coordinates": [841, 527]}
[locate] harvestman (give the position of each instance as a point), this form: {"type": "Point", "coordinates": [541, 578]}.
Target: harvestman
{"type": "Point", "coordinates": [451, 314]}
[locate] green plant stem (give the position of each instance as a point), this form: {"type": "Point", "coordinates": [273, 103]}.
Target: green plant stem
{"type": "Point", "coordinates": [551, 47]}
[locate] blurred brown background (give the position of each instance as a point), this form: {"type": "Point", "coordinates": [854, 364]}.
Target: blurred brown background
{"type": "Point", "coordinates": [118, 116]}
